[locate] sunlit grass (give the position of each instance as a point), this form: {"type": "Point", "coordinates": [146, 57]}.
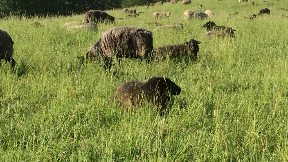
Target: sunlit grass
{"type": "Point", "coordinates": [232, 106]}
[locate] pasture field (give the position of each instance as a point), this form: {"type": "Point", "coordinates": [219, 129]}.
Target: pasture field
{"type": "Point", "coordinates": [232, 106]}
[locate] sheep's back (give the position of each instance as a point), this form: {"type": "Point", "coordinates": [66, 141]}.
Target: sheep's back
{"type": "Point", "coordinates": [127, 41]}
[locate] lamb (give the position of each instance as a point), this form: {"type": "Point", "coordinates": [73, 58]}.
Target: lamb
{"type": "Point", "coordinates": [210, 25]}
{"type": "Point", "coordinates": [189, 14]}
{"type": "Point", "coordinates": [264, 11]}
{"type": "Point", "coordinates": [228, 31]}
{"type": "Point", "coordinates": [157, 90]}
{"type": "Point", "coordinates": [161, 14]}
{"type": "Point", "coordinates": [128, 42]}
{"type": "Point", "coordinates": [6, 48]}
{"type": "Point", "coordinates": [98, 16]}
{"type": "Point", "coordinates": [189, 49]}
{"type": "Point", "coordinates": [186, 1]}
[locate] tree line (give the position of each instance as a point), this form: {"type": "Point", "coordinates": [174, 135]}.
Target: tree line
{"type": "Point", "coordinates": [61, 7]}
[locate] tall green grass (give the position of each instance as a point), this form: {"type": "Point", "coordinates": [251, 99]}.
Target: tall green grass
{"type": "Point", "coordinates": [232, 106]}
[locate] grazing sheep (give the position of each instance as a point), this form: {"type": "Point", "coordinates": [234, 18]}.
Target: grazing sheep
{"type": "Point", "coordinates": [264, 11]}
{"type": "Point", "coordinates": [209, 13]}
{"type": "Point", "coordinates": [88, 27]}
{"type": "Point", "coordinates": [131, 41]}
{"type": "Point", "coordinates": [210, 25]}
{"type": "Point", "coordinates": [159, 3]}
{"type": "Point", "coordinates": [228, 31]}
{"type": "Point", "coordinates": [131, 11]}
{"type": "Point", "coordinates": [6, 48]}
{"type": "Point", "coordinates": [188, 49]}
{"type": "Point", "coordinates": [186, 1]}
{"type": "Point", "coordinates": [161, 14]}
{"type": "Point", "coordinates": [173, 1]}
{"type": "Point", "coordinates": [157, 90]}
{"type": "Point", "coordinates": [189, 14]}
{"type": "Point", "coordinates": [98, 16]}
{"type": "Point", "coordinates": [176, 26]}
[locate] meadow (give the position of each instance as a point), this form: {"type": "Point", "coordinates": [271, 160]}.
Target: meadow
{"type": "Point", "coordinates": [232, 106]}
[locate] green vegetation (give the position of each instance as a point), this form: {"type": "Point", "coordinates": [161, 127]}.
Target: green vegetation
{"type": "Point", "coordinates": [232, 106]}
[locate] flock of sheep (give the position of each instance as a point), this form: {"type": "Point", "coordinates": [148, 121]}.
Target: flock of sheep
{"type": "Point", "coordinates": [137, 42]}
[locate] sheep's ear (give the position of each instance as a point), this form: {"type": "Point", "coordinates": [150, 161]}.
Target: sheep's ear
{"type": "Point", "coordinates": [234, 30]}
{"type": "Point", "coordinates": [198, 42]}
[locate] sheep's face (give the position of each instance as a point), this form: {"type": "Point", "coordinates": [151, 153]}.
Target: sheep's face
{"type": "Point", "coordinates": [193, 46]}
{"type": "Point", "coordinates": [168, 14]}
{"type": "Point", "coordinates": [209, 25]}
{"type": "Point", "coordinates": [230, 31]}
{"type": "Point", "coordinates": [165, 86]}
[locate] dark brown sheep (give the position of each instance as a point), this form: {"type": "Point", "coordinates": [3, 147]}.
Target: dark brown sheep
{"type": "Point", "coordinates": [264, 11]}
{"type": "Point", "coordinates": [210, 25]}
{"type": "Point", "coordinates": [6, 48]}
{"type": "Point", "coordinates": [98, 16]}
{"type": "Point", "coordinates": [188, 49]}
{"type": "Point", "coordinates": [157, 90]}
{"type": "Point", "coordinates": [128, 42]}
{"type": "Point", "coordinates": [227, 32]}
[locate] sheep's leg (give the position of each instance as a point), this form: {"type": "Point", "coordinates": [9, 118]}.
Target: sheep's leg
{"type": "Point", "coordinates": [12, 61]}
{"type": "Point", "coordinates": [108, 63]}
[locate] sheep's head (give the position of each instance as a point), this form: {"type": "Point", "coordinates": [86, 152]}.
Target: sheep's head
{"type": "Point", "coordinates": [209, 25]}
{"type": "Point", "coordinates": [193, 46]}
{"type": "Point", "coordinates": [168, 14]}
{"type": "Point", "coordinates": [164, 85]}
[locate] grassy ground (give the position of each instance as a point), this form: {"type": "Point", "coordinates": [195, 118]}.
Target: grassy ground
{"type": "Point", "coordinates": [232, 106]}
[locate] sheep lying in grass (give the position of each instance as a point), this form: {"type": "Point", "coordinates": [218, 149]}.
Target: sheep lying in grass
{"type": "Point", "coordinates": [128, 42]}
{"type": "Point", "coordinates": [191, 14]}
{"type": "Point", "coordinates": [264, 11]}
{"type": "Point", "coordinates": [186, 1]}
{"type": "Point", "coordinates": [161, 14]}
{"type": "Point", "coordinates": [131, 11]}
{"type": "Point", "coordinates": [188, 49]}
{"type": "Point", "coordinates": [157, 90]}
{"type": "Point", "coordinates": [223, 33]}
{"type": "Point", "coordinates": [6, 48]}
{"type": "Point", "coordinates": [210, 25]}
{"type": "Point", "coordinates": [98, 16]}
